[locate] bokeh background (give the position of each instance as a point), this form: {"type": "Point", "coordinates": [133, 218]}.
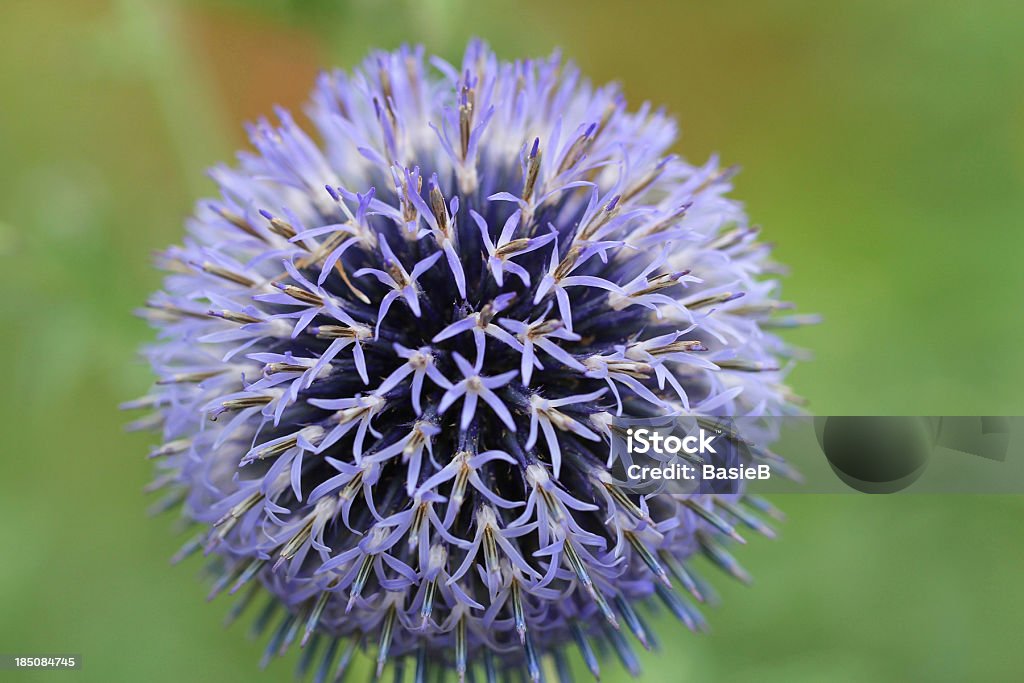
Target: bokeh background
{"type": "Point", "coordinates": [882, 144]}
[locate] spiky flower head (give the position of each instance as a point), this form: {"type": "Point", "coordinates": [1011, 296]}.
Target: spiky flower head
{"type": "Point", "coordinates": [391, 356]}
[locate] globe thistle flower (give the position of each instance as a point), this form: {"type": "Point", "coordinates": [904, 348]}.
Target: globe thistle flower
{"type": "Point", "coordinates": [391, 356]}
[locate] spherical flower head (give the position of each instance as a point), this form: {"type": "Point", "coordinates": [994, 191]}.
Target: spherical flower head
{"type": "Point", "coordinates": [391, 355]}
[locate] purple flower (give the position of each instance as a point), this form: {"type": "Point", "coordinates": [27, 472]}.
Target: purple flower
{"type": "Point", "coordinates": [330, 442]}
{"type": "Point", "coordinates": [473, 387]}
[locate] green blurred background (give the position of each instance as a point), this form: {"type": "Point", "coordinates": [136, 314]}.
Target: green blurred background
{"type": "Point", "coordinates": [882, 144]}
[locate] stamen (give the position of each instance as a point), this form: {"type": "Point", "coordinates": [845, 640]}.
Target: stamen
{"type": "Point", "coordinates": [259, 625]}
{"type": "Point", "coordinates": [763, 308]}
{"type": "Point", "coordinates": [460, 649]}
{"type": "Point", "coordinates": [191, 377]}
{"type": "Point", "coordinates": [610, 211]}
{"type": "Point", "coordinates": [711, 300]}
{"type": "Point", "coordinates": [242, 604]}
{"type": "Point", "coordinates": [532, 169]}
{"type": "Point", "coordinates": [439, 210]}
{"type": "Point", "coordinates": [274, 645]}
{"type": "Point", "coordinates": [746, 366]}
{"type": "Point", "coordinates": [566, 265]}
{"type": "Point", "coordinates": [679, 609]}
{"type": "Point", "coordinates": [645, 182]}
{"type": "Point", "coordinates": [512, 247]}
{"type": "Point", "coordinates": [251, 570]}
{"type": "Point", "coordinates": [586, 651]}
{"type": "Point", "coordinates": [645, 554]}
{"type": "Point", "coordinates": [632, 621]}
{"type": "Point", "coordinates": [236, 220]}
{"type": "Point", "coordinates": [490, 670]}
{"type": "Point", "coordinates": [732, 237]}
{"type": "Point", "coordinates": [189, 548]}
{"type": "Point", "coordinates": [682, 575]}
{"type": "Point", "coordinates": [233, 316]}
{"type": "Point", "coordinates": [722, 558]}
{"type": "Point", "coordinates": [660, 282]}
{"type": "Point", "coordinates": [275, 368]}
{"type": "Point", "coordinates": [490, 548]}
{"type": "Point", "coordinates": [678, 346]}
{"type": "Point", "coordinates": [518, 614]}
{"type": "Point", "coordinates": [240, 404]}
{"type": "Point", "coordinates": [625, 653]}
{"type": "Point", "coordinates": [748, 519]}
{"type": "Point", "coordinates": [713, 519]}
{"type": "Point", "coordinates": [663, 224]}
{"type": "Point", "coordinates": [314, 617]}
{"type": "Point", "coordinates": [300, 294]}
{"type": "Point", "coordinates": [232, 516]}
{"type": "Point", "coordinates": [293, 632]}
{"type": "Point", "coordinates": [763, 506]}
{"type": "Point", "coordinates": [422, 664]}
{"type": "Point", "coordinates": [225, 274]}
{"type": "Point", "coordinates": [360, 581]}
{"type": "Point", "coordinates": [346, 658]}
{"type": "Point", "coordinates": [576, 564]}
{"type": "Point", "coordinates": [465, 122]}
{"type": "Point", "coordinates": [278, 226]}
{"type": "Point", "coordinates": [532, 661]}
{"type": "Point", "coordinates": [428, 603]}
{"type": "Point", "coordinates": [620, 497]}
{"type": "Point", "coordinates": [172, 310]}
{"type": "Point", "coordinates": [171, 448]}
{"type": "Point", "coordinates": [306, 658]}
{"type": "Point", "coordinates": [577, 149]}
{"type": "Point", "coordinates": [359, 332]}
{"type": "Point", "coordinates": [289, 550]}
